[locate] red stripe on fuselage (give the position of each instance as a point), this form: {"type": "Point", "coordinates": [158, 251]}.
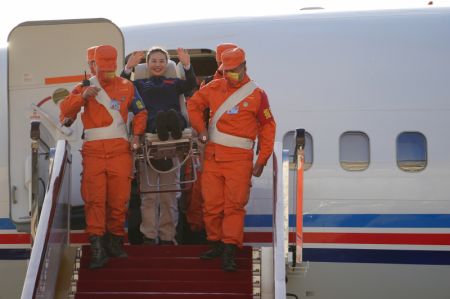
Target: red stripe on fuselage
{"type": "Point", "coordinates": [15, 239]}
{"type": "Point", "coordinates": [378, 238]}
{"type": "Point", "coordinates": [309, 237]}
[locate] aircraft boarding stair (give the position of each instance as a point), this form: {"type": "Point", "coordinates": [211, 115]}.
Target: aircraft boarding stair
{"type": "Point", "coordinates": [164, 272]}
{"type": "Point", "coordinates": [57, 269]}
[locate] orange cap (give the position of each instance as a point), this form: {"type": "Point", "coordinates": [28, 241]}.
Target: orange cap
{"type": "Point", "coordinates": [91, 53]}
{"type": "Point", "coordinates": [106, 58]}
{"type": "Point", "coordinates": [232, 58]}
{"type": "Point", "coordinates": [221, 48]}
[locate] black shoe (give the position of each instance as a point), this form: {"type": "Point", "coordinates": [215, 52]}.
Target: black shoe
{"type": "Point", "coordinates": [149, 241]}
{"type": "Point", "coordinates": [161, 126]}
{"type": "Point", "coordinates": [228, 262]}
{"type": "Point", "coordinates": [215, 251]}
{"type": "Point", "coordinates": [114, 246]}
{"type": "Point", "coordinates": [98, 254]}
{"type": "Point", "coordinates": [174, 124]}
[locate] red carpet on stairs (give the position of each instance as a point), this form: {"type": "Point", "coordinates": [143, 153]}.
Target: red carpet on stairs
{"type": "Point", "coordinates": [165, 272]}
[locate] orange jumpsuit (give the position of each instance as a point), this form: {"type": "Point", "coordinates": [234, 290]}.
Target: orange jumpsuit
{"type": "Point", "coordinates": [227, 171]}
{"type": "Point", "coordinates": [107, 163]}
{"type": "Point", "coordinates": [194, 211]}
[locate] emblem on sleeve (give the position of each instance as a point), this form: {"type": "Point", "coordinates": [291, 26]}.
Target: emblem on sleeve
{"type": "Point", "coordinates": [139, 105]}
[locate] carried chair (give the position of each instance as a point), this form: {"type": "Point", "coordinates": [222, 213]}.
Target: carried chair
{"type": "Point", "coordinates": [180, 150]}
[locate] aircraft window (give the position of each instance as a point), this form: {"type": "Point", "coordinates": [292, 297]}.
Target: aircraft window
{"type": "Point", "coordinates": [289, 143]}
{"type": "Point", "coordinates": [411, 151]}
{"type": "Point", "coordinates": [354, 151]}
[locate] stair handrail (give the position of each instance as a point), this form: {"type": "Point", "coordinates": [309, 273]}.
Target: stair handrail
{"type": "Point", "coordinates": [52, 234]}
{"type": "Point", "coordinates": [37, 143]}
{"type": "Point", "coordinates": [299, 160]}
{"type": "Point", "coordinates": [280, 224]}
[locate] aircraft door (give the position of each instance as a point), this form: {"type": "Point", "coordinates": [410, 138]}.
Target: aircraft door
{"type": "Point", "coordinates": [46, 59]}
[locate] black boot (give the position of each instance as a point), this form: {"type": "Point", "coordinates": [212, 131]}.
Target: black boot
{"type": "Point", "coordinates": [114, 246]}
{"type": "Point", "coordinates": [98, 254]}
{"type": "Point", "coordinates": [174, 124]}
{"type": "Point", "coordinates": [228, 262]}
{"type": "Point", "coordinates": [215, 251]}
{"type": "Point", "coordinates": [161, 126]}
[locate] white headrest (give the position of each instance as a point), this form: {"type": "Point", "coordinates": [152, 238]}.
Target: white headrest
{"type": "Point", "coordinates": [180, 71]}
{"type": "Point", "coordinates": [141, 71]}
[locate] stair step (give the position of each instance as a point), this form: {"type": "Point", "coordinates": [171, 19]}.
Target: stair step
{"type": "Point", "coordinates": [164, 274]}
{"type": "Point", "coordinates": [170, 251]}
{"type": "Point", "coordinates": [156, 295]}
{"type": "Point", "coordinates": [167, 263]}
{"type": "Point", "coordinates": [165, 286]}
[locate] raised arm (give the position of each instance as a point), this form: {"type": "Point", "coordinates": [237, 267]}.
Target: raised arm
{"type": "Point", "coordinates": [188, 85]}
{"type": "Point", "coordinates": [133, 60]}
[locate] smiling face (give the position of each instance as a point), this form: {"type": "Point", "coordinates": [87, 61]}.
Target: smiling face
{"type": "Point", "coordinates": [157, 62]}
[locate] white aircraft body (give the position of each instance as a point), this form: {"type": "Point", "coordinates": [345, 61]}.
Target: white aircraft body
{"type": "Point", "coordinates": [371, 89]}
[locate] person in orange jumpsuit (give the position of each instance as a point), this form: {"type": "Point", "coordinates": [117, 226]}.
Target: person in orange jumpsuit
{"type": "Point", "coordinates": [194, 211]}
{"type": "Point", "coordinates": [240, 113]}
{"type": "Point", "coordinates": [106, 151]}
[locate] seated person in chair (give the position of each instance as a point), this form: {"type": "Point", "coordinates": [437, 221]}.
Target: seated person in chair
{"type": "Point", "coordinates": [161, 97]}
{"type": "Point", "coordinates": [161, 94]}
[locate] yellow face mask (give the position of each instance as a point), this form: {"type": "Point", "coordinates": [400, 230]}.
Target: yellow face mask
{"type": "Point", "coordinates": [109, 75]}
{"type": "Point", "coordinates": [106, 77]}
{"type": "Point", "coordinates": [233, 76]}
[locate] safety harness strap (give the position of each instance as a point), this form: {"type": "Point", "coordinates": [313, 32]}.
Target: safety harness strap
{"type": "Point", "coordinates": [117, 129]}
{"type": "Point", "coordinates": [226, 139]}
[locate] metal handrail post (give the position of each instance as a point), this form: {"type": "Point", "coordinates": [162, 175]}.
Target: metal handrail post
{"type": "Point", "coordinates": [299, 161]}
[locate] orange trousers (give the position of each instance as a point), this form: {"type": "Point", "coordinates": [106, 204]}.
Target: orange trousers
{"type": "Point", "coordinates": [105, 189]}
{"type": "Point", "coordinates": [194, 211]}
{"type": "Point", "coordinates": [225, 189]}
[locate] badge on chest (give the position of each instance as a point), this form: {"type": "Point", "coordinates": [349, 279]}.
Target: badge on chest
{"type": "Point", "coordinates": [115, 105]}
{"type": "Point", "coordinates": [234, 110]}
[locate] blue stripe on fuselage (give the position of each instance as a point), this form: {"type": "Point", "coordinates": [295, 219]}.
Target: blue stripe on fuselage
{"type": "Point", "coordinates": [338, 220]}
{"type": "Point", "coordinates": [359, 220]}
{"type": "Point", "coordinates": [6, 223]}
